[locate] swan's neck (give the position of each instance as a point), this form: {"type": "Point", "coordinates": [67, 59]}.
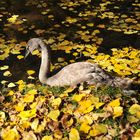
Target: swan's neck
{"type": "Point", "coordinates": [45, 64]}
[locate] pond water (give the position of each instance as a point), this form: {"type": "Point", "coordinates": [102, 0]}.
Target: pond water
{"type": "Point", "coordinates": [56, 20]}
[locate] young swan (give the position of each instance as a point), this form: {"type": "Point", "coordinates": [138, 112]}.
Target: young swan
{"type": "Point", "coordinates": [74, 73]}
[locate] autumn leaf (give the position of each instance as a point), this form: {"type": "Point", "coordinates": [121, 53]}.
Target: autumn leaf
{"type": "Point", "coordinates": [24, 115]}
{"type": "Point", "coordinates": [47, 138]}
{"type": "Point", "coordinates": [30, 72]}
{"type": "Point", "coordinates": [74, 134]}
{"type": "Point", "coordinates": [114, 103]}
{"type": "Point", "coordinates": [13, 18]}
{"type": "Point", "coordinates": [56, 102]}
{"type": "Point", "coordinates": [54, 114]}
{"type": "Point", "coordinates": [118, 111]}
{"type": "Point", "coordinates": [5, 67]}
{"type": "Point", "coordinates": [134, 108]}
{"type": "Point", "coordinates": [10, 85]}
{"type": "Point", "coordinates": [85, 127]}
{"type": "Point", "coordinates": [98, 129]}
{"type": "Point", "coordinates": [11, 134]}
{"type": "Point", "coordinates": [7, 73]}
{"type": "Point", "coordinates": [78, 98]}
{"type": "Point", "coordinates": [28, 98]}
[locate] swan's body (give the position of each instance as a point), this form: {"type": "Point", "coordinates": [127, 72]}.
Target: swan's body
{"type": "Point", "coordinates": [75, 73]}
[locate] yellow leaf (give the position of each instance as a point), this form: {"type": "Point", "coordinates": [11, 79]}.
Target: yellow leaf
{"type": "Point", "coordinates": [30, 72]}
{"type": "Point", "coordinates": [20, 82]}
{"type": "Point", "coordinates": [35, 52]}
{"type": "Point", "coordinates": [54, 114]}
{"type": "Point", "coordinates": [29, 135]}
{"type": "Point", "coordinates": [114, 103]}
{"type": "Point", "coordinates": [85, 127]}
{"type": "Point", "coordinates": [134, 109]}
{"type": "Point", "coordinates": [74, 134]}
{"type": "Point", "coordinates": [5, 67]}
{"type": "Point", "coordinates": [31, 77]}
{"type": "Point", "coordinates": [86, 118]}
{"type": "Point", "coordinates": [24, 124]}
{"type": "Point", "coordinates": [47, 138]}
{"type": "Point", "coordinates": [13, 18]}
{"type": "Point", "coordinates": [78, 97]}
{"type": "Point", "coordinates": [56, 102]}
{"type": "Point", "coordinates": [98, 105]}
{"type": "Point", "coordinates": [11, 92]}
{"type": "Point", "coordinates": [20, 56]}
{"type": "Point", "coordinates": [28, 98]}
{"type": "Point", "coordinates": [27, 114]}
{"type": "Point", "coordinates": [3, 82]}
{"type": "Point", "coordinates": [137, 133]}
{"type": "Point", "coordinates": [15, 51]}
{"type": "Point", "coordinates": [20, 106]}
{"type": "Point", "coordinates": [118, 111]}
{"type": "Point", "coordinates": [11, 134]}
{"type": "Point", "coordinates": [10, 85]}
{"type": "Point", "coordinates": [58, 134]}
{"type": "Point", "coordinates": [2, 116]}
{"type": "Point", "coordinates": [69, 90]}
{"type": "Point", "coordinates": [132, 119]}
{"type": "Point", "coordinates": [98, 129]}
{"type": "Point", "coordinates": [7, 73]}
{"type": "Point", "coordinates": [34, 124]}
{"type": "Point", "coordinates": [32, 91]}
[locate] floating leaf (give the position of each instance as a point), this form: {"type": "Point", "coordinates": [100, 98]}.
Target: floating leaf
{"type": "Point", "coordinates": [30, 72]}
{"type": "Point", "coordinates": [10, 85]}
{"type": "Point", "coordinates": [5, 67]}
{"type": "Point", "coordinates": [35, 52]}
{"type": "Point", "coordinates": [20, 56]}
{"type": "Point", "coordinates": [13, 18]}
{"type": "Point", "coordinates": [15, 51]}
{"type": "Point", "coordinates": [7, 73]}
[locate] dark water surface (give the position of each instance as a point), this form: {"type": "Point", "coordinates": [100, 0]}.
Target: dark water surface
{"type": "Point", "coordinates": [111, 39]}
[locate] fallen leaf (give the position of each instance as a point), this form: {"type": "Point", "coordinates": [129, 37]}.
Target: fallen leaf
{"type": "Point", "coordinates": [11, 134]}
{"type": "Point", "coordinates": [85, 127]}
{"type": "Point", "coordinates": [98, 129]}
{"type": "Point", "coordinates": [74, 134]}
{"type": "Point", "coordinates": [47, 138]}
{"type": "Point", "coordinates": [53, 114]}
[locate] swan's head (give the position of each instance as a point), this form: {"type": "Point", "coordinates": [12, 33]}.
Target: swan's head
{"type": "Point", "coordinates": [32, 45]}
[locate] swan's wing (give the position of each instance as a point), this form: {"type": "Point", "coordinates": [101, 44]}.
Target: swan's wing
{"type": "Point", "coordinates": [72, 74]}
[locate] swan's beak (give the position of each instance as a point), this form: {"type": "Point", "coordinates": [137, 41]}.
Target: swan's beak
{"type": "Point", "coordinates": [27, 52]}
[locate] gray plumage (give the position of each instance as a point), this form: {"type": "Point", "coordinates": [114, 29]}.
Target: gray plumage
{"type": "Point", "coordinates": [74, 73]}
